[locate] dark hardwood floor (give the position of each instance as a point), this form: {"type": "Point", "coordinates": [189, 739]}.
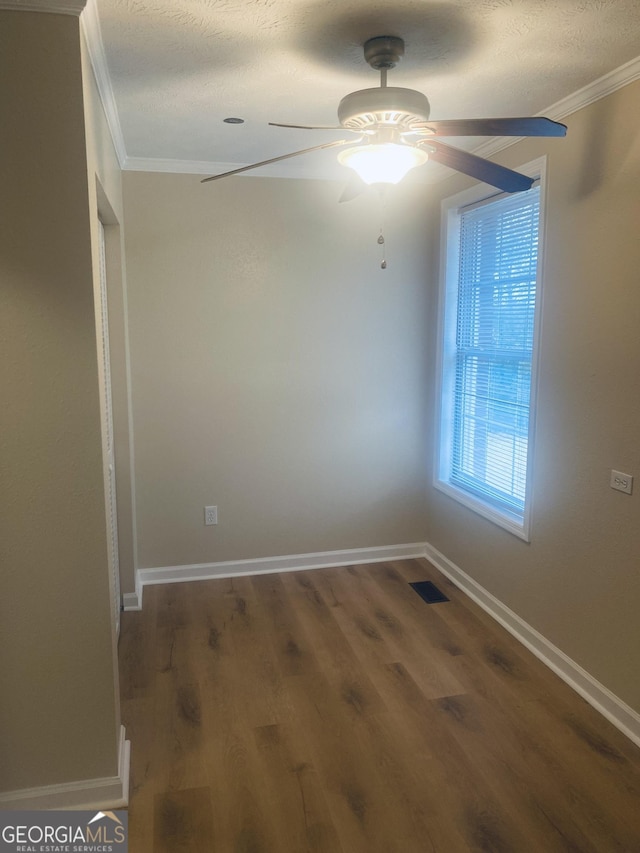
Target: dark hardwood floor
{"type": "Point", "coordinates": [334, 710]}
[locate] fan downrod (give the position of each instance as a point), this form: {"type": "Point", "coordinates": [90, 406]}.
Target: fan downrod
{"type": "Point", "coordinates": [383, 52]}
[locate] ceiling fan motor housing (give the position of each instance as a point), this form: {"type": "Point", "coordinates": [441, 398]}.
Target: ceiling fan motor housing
{"type": "Point", "coordinates": [388, 105]}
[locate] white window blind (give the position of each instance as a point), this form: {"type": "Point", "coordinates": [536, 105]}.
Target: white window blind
{"type": "Point", "coordinates": [485, 435]}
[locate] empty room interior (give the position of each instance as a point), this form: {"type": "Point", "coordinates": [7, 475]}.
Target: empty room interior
{"type": "Point", "coordinates": [320, 514]}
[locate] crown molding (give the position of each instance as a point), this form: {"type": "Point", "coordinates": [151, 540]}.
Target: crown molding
{"type": "Point", "coordinates": [600, 88]}
{"type": "Point", "coordinates": [430, 173]}
{"type": "Point", "coordinates": [70, 7]}
{"type": "Point", "coordinates": [90, 25]}
{"type": "Point", "coordinates": [332, 172]}
{"type": "Point", "coordinates": [191, 167]}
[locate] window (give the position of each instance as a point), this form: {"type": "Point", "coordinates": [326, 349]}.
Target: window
{"type": "Point", "coordinates": [491, 247]}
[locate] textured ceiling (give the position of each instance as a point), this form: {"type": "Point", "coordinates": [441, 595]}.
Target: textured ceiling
{"type": "Point", "coordinates": [178, 67]}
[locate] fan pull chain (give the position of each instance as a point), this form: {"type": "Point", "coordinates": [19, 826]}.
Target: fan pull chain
{"type": "Point", "coordinates": [383, 263]}
{"type": "Point", "coordinates": [381, 243]}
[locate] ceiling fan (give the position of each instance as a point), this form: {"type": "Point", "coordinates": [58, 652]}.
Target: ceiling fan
{"type": "Point", "coordinates": [395, 134]}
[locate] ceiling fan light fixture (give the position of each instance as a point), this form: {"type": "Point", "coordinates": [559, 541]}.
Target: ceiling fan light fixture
{"type": "Point", "coordinates": [385, 163]}
{"type": "Point", "coordinates": [386, 114]}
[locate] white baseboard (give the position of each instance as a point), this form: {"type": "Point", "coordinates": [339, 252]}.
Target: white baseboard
{"type": "Point", "coordinates": [603, 700]}
{"type": "Point", "coordinates": [131, 601]}
{"type": "Point", "coordinates": [100, 794]}
{"type": "Point", "coordinates": [268, 565]}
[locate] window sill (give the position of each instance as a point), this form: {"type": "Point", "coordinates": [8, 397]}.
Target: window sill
{"type": "Point", "coordinates": [511, 523]}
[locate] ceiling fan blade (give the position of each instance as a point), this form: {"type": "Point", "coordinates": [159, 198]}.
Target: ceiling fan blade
{"type": "Point", "coordinates": [352, 190]}
{"type": "Point", "coordinates": [477, 167]}
{"type": "Point", "coordinates": [276, 159]}
{"type": "Point", "coordinates": [533, 126]}
{"type": "Point", "coordinates": [312, 126]}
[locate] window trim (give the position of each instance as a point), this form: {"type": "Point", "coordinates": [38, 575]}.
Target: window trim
{"type": "Point", "coordinates": [447, 313]}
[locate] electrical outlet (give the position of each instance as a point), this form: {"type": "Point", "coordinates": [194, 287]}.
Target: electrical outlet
{"type": "Point", "coordinates": [211, 515]}
{"type": "Point", "coordinates": [621, 482]}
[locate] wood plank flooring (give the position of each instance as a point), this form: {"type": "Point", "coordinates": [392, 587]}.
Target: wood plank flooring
{"type": "Point", "coordinates": [334, 710]}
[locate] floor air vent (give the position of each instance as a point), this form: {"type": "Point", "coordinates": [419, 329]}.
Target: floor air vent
{"type": "Point", "coordinates": [429, 592]}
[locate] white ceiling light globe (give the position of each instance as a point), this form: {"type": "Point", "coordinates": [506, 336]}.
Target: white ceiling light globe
{"type": "Point", "coordinates": [385, 163]}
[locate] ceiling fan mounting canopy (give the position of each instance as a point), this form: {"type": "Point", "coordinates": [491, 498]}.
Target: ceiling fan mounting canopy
{"type": "Point", "coordinates": [383, 52]}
